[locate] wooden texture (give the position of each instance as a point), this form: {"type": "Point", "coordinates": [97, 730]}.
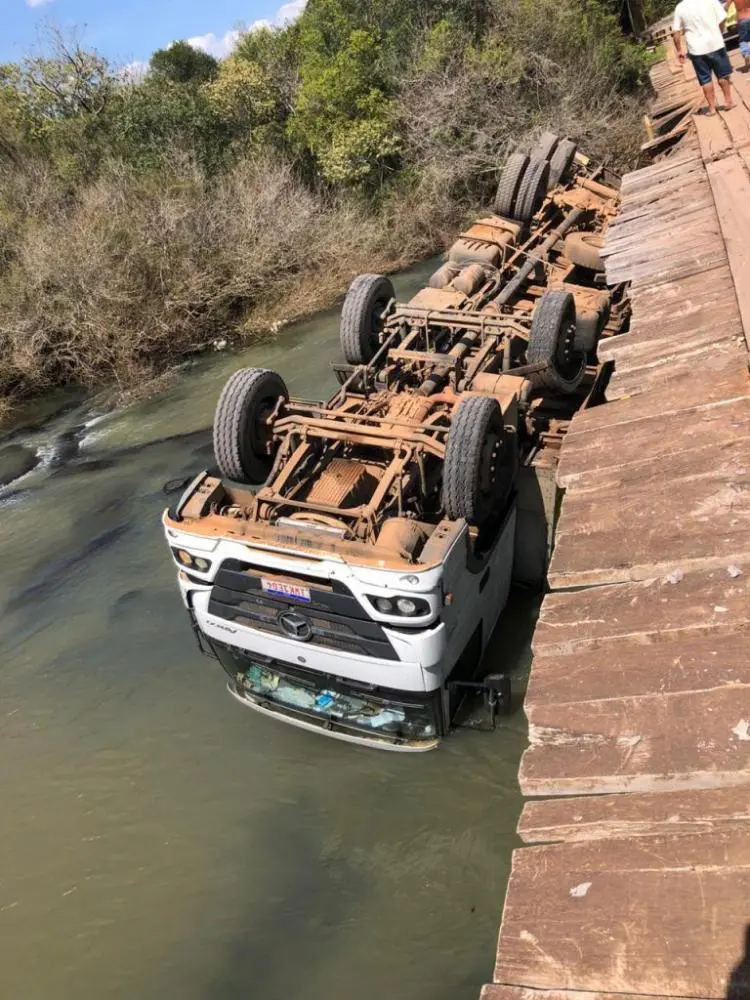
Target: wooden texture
{"type": "Point", "coordinates": [494, 991]}
{"type": "Point", "coordinates": [643, 915]}
{"type": "Point", "coordinates": [594, 817]}
{"type": "Point", "coordinates": [682, 603]}
{"type": "Point", "coordinates": [730, 183]}
{"type": "Point", "coordinates": [639, 693]}
{"type": "Point", "coordinates": [623, 446]}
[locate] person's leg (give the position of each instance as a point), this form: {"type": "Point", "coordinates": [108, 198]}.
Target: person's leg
{"type": "Point", "coordinates": [710, 94]}
{"type": "Point", "coordinates": [725, 83]}
{"type": "Point", "coordinates": [702, 67]}
{"type": "Point", "coordinates": [743, 30]}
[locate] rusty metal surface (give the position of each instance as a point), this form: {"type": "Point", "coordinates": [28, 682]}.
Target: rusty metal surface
{"type": "Point", "coordinates": [374, 451]}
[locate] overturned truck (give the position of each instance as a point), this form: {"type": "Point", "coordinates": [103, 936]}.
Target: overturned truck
{"type": "Point", "coordinates": [347, 560]}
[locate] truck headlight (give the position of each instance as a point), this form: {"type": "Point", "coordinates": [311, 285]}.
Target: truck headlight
{"type": "Point", "coordinates": [189, 561]}
{"type": "Point", "coordinates": [406, 607]}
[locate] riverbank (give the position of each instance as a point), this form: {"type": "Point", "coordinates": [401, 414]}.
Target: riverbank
{"type": "Point", "coordinates": [639, 878]}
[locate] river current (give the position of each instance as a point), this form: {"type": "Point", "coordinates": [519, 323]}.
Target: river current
{"type": "Point", "coordinates": [158, 840]}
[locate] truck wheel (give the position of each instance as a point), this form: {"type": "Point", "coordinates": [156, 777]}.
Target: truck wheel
{"type": "Point", "coordinates": [532, 190]}
{"type": "Point", "coordinates": [546, 146]}
{"type": "Point", "coordinates": [362, 317]}
{"type": "Point", "coordinates": [479, 465]}
{"type": "Point", "coordinates": [561, 160]}
{"type": "Point", "coordinates": [552, 342]}
{"type": "Point", "coordinates": [585, 250]}
{"type": "Point", "coordinates": [243, 445]}
{"type": "Point", "coordinates": [510, 181]}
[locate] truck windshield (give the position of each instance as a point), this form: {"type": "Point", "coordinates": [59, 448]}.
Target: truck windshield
{"type": "Point", "coordinates": [388, 714]}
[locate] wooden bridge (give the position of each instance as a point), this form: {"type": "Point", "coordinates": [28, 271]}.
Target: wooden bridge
{"type": "Point", "coordinates": [639, 696]}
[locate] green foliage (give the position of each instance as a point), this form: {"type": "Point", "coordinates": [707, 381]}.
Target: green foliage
{"type": "Point", "coordinates": [155, 211]}
{"type": "Point", "coordinates": [343, 113]}
{"type": "Point", "coordinates": [181, 63]}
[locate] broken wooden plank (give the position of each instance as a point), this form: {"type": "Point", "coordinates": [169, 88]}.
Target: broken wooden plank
{"type": "Point", "coordinates": [654, 915]}
{"type": "Point", "coordinates": [593, 817]}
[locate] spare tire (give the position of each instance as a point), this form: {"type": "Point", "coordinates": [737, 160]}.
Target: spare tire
{"type": "Point", "coordinates": [552, 342]}
{"type": "Point", "coordinates": [532, 191]}
{"type": "Point", "coordinates": [362, 317]}
{"type": "Point", "coordinates": [480, 461]}
{"type": "Point", "coordinates": [243, 445]}
{"type": "Point", "coordinates": [562, 158]}
{"type": "Point", "coordinates": [510, 181]}
{"type": "Point", "coordinates": [546, 146]}
{"type": "Point", "coordinates": [585, 250]}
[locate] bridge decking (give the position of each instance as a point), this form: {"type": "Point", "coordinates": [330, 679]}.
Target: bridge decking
{"type": "Point", "coordinates": [639, 696]}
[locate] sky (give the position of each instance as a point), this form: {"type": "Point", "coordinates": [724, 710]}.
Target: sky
{"type": "Point", "coordinates": [128, 31]}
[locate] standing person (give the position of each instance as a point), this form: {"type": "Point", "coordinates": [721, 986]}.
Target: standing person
{"type": "Point", "coordinates": [700, 21]}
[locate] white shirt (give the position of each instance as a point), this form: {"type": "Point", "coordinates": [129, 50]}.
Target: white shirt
{"type": "Point", "coordinates": [700, 20]}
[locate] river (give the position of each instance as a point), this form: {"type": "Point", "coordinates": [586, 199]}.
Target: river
{"type": "Point", "coordinates": [157, 840]}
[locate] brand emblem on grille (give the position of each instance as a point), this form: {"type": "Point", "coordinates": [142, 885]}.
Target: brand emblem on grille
{"type": "Point", "coordinates": [296, 626]}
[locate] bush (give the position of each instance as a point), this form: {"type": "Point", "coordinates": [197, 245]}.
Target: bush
{"type": "Point", "coordinates": [141, 219]}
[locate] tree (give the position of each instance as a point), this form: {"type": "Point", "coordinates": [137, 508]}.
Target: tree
{"type": "Point", "coordinates": [344, 113]}
{"type": "Point", "coordinates": [181, 63]}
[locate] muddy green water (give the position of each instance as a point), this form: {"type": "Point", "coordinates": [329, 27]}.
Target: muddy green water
{"type": "Point", "coordinates": [158, 840]}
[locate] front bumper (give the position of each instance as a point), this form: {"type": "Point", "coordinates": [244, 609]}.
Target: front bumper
{"type": "Point", "coordinates": [318, 702]}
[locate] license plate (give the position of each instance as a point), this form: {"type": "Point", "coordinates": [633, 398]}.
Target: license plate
{"type": "Point", "coordinates": [278, 588]}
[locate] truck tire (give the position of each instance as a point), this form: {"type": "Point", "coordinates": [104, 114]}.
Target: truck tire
{"type": "Point", "coordinates": [510, 181]}
{"type": "Point", "coordinates": [546, 146]}
{"type": "Point", "coordinates": [552, 342]}
{"type": "Point", "coordinates": [479, 465]}
{"type": "Point", "coordinates": [584, 250]}
{"type": "Point", "coordinates": [242, 444]}
{"type": "Point", "coordinates": [561, 160]}
{"type": "Point", "coordinates": [361, 317]}
{"type": "Point", "coordinates": [532, 191]}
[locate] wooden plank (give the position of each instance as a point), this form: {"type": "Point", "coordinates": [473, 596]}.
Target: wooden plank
{"type": "Point", "coordinates": [713, 136]}
{"type": "Point", "coordinates": [723, 377]}
{"type": "Point", "coordinates": [673, 340]}
{"type": "Point", "coordinates": [698, 524]}
{"type": "Point", "coordinates": [697, 263]}
{"type": "Point", "coordinates": [694, 601]}
{"type": "Point", "coordinates": [636, 368]}
{"type": "Point", "coordinates": [648, 743]}
{"type": "Point", "coordinates": [730, 183]}
{"type": "Point", "coordinates": [653, 915]}
{"type": "Point", "coordinates": [647, 374]}
{"type": "Point", "coordinates": [494, 991]}
{"type": "Point", "coordinates": [641, 815]}
{"type": "Point", "coordinates": [737, 123]}
{"type": "Point", "coordinates": [652, 305]}
{"type": "Point", "coordinates": [691, 320]}
{"type": "Point", "coordinates": [585, 456]}
{"type": "Point", "coordinates": [640, 666]}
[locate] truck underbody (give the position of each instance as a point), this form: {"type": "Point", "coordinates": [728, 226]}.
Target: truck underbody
{"type": "Point", "coordinates": [354, 589]}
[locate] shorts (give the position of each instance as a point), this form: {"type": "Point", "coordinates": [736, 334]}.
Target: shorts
{"type": "Point", "coordinates": [743, 30]}
{"type": "Point", "coordinates": [717, 61]}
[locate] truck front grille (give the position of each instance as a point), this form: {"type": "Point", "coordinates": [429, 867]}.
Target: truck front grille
{"type": "Point", "coordinates": [335, 618]}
